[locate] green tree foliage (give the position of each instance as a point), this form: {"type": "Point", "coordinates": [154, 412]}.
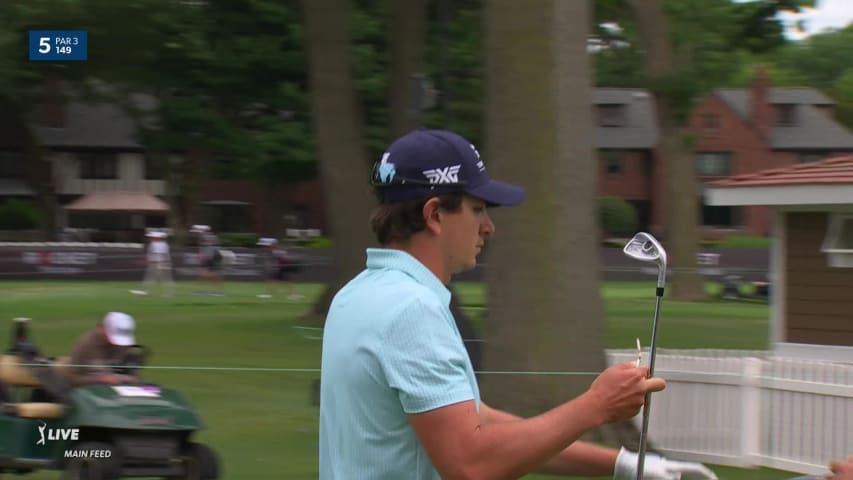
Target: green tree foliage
{"type": "Point", "coordinates": [821, 58]}
{"type": "Point", "coordinates": [18, 215]}
{"type": "Point", "coordinates": [822, 61]}
{"type": "Point", "coordinates": [616, 216]}
{"type": "Point", "coordinates": [711, 39]}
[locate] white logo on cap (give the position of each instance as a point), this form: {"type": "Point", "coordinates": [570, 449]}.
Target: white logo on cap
{"type": "Point", "coordinates": [443, 175]}
{"type": "Point", "coordinates": [480, 165]}
{"type": "Point", "coordinates": [475, 149]}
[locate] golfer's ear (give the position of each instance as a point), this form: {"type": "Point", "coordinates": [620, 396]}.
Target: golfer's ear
{"type": "Point", "coordinates": [432, 214]}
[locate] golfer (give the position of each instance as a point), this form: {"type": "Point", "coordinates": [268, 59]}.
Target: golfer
{"type": "Point", "coordinates": [158, 262]}
{"type": "Point", "coordinates": [399, 398]}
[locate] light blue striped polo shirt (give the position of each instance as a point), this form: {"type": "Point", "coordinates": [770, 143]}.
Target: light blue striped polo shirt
{"type": "Point", "coordinates": [390, 348]}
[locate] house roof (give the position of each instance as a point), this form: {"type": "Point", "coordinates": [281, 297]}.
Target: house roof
{"type": "Point", "coordinates": [95, 124]}
{"type": "Point", "coordinates": [640, 130]}
{"type": "Point", "coordinates": [826, 182]}
{"type": "Point", "coordinates": [107, 125]}
{"type": "Point", "coordinates": [815, 129]}
{"type": "Point", "coordinates": [118, 202]}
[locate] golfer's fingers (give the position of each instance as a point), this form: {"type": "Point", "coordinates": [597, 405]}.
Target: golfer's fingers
{"type": "Point", "coordinates": [625, 365]}
{"type": "Point", "coordinates": [654, 384]}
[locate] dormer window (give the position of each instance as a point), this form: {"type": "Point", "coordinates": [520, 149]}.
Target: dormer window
{"type": "Point", "coordinates": [786, 114]}
{"type": "Point", "coordinates": [611, 115]}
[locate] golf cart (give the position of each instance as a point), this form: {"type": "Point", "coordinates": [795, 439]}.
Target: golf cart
{"type": "Point", "coordinates": [94, 432]}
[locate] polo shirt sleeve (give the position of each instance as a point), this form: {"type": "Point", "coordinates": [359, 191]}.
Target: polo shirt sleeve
{"type": "Point", "coordinates": [423, 359]}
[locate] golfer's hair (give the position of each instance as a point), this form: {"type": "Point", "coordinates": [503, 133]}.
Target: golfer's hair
{"type": "Point", "coordinates": [397, 222]}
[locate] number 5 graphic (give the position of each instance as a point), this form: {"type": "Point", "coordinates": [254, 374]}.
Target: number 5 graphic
{"type": "Point", "coordinates": [44, 44]}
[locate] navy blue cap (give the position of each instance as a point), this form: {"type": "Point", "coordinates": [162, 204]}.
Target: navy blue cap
{"type": "Point", "coordinates": [425, 163]}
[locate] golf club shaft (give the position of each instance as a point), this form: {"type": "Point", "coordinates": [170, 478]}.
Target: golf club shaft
{"type": "Point", "coordinates": [641, 454]}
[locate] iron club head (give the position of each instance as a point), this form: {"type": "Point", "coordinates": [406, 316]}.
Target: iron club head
{"type": "Point", "coordinates": [645, 248]}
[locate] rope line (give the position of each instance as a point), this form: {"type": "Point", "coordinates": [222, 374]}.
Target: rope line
{"type": "Point", "coordinates": [284, 370]}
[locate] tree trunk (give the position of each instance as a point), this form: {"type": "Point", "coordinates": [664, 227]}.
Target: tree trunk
{"type": "Point", "coordinates": [408, 41]}
{"type": "Point", "coordinates": [681, 199]}
{"type": "Point", "coordinates": [545, 311]}
{"type": "Point", "coordinates": [341, 147]}
{"type": "Point", "coordinates": [37, 168]}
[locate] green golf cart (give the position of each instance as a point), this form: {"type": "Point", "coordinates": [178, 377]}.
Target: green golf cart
{"type": "Point", "coordinates": [94, 432]}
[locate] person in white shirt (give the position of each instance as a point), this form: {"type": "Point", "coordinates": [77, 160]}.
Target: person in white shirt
{"type": "Point", "coordinates": [158, 261]}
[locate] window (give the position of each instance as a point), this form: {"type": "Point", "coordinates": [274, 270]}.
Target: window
{"type": "Point", "coordinates": [613, 161]}
{"type": "Point", "coordinates": [807, 157]}
{"type": "Point", "coordinates": [786, 114]}
{"type": "Point", "coordinates": [11, 164]}
{"type": "Point", "coordinates": [713, 164]}
{"type": "Point", "coordinates": [154, 167]}
{"type": "Point", "coordinates": [716, 216]}
{"type": "Point", "coordinates": [710, 123]}
{"type": "Point", "coordinates": [838, 242]}
{"type": "Point", "coordinates": [98, 165]}
{"type": "Point", "coordinates": [611, 115]}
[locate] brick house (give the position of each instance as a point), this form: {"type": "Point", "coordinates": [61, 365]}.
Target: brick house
{"type": "Point", "coordinates": [626, 136]}
{"type": "Point", "coordinates": [94, 147]}
{"type": "Point", "coordinates": [91, 152]}
{"type": "Point", "coordinates": [738, 131]}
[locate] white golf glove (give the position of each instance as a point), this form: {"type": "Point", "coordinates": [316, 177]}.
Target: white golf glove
{"type": "Point", "coordinates": [659, 468]}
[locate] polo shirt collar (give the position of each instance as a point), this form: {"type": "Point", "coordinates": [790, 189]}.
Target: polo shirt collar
{"type": "Point", "coordinates": [399, 260]}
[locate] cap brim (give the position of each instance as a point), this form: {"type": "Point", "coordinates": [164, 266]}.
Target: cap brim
{"type": "Point", "coordinates": [494, 192]}
{"type": "Point", "coordinates": [121, 340]}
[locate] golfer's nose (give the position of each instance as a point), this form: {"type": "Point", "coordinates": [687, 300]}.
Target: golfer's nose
{"type": "Point", "coordinates": [487, 227]}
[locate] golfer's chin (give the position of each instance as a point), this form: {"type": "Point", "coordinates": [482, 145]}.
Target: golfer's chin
{"type": "Point", "coordinates": [472, 264]}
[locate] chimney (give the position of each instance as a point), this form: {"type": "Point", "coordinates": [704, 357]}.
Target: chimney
{"type": "Point", "coordinates": [761, 111]}
{"type": "Point", "coordinates": [54, 104]}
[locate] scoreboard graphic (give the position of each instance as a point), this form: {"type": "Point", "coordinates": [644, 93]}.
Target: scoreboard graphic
{"type": "Point", "coordinates": [58, 45]}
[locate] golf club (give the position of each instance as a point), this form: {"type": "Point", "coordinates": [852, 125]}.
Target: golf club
{"type": "Point", "coordinates": [645, 248]}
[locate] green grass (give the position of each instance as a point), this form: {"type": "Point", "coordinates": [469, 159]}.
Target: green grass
{"type": "Point", "coordinates": [740, 241]}
{"type": "Point", "coordinates": [629, 309]}
{"type": "Point", "coordinates": [262, 423]}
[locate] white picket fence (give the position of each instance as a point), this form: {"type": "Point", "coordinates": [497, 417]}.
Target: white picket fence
{"type": "Point", "coordinates": [750, 408]}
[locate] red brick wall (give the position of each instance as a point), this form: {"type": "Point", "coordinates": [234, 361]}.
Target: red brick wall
{"type": "Point", "coordinates": [740, 137]}
{"type": "Point", "coordinates": [632, 183]}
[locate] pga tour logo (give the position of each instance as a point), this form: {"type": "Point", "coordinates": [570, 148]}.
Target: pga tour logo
{"type": "Point", "coordinates": [57, 434]}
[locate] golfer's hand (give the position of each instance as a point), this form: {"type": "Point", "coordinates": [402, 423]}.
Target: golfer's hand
{"type": "Point", "coordinates": [621, 390]}
{"type": "Point", "coordinates": [117, 379]}
{"type": "Point", "coordinates": [842, 470]}
{"type": "Point", "coordinates": [659, 468]}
